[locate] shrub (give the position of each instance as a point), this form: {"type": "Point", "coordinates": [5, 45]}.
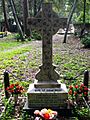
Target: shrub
{"type": "Point", "coordinates": [86, 41]}
{"type": "Point", "coordinates": [36, 35]}
{"type": "Point", "coordinates": [17, 36]}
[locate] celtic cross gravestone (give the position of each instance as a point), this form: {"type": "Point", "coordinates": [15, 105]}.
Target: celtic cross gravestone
{"type": "Point", "coordinates": [47, 92]}
{"type": "Point", "coordinates": [48, 23]}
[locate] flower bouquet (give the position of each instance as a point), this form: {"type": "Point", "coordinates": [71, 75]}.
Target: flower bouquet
{"type": "Point", "coordinates": [45, 114]}
{"type": "Point", "coordinates": [15, 89]}
{"type": "Point", "coordinates": [77, 92]}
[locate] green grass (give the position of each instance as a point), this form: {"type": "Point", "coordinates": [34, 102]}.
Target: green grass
{"type": "Point", "coordinates": [71, 66]}
{"type": "Point", "coordinates": [24, 59]}
{"type": "Point", "coordinates": [19, 58]}
{"type": "Point", "coordinates": [8, 42]}
{"type": "Point", "coordinates": [10, 54]}
{"type": "Point", "coordinates": [5, 45]}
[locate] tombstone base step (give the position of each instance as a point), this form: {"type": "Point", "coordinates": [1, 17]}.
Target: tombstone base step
{"type": "Point", "coordinates": [47, 85]}
{"type": "Point", "coordinates": [61, 111]}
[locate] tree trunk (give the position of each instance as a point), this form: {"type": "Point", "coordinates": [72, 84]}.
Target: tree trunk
{"type": "Point", "coordinates": [16, 14]}
{"type": "Point", "coordinates": [16, 19]}
{"type": "Point", "coordinates": [82, 33]}
{"type": "Point", "coordinates": [35, 7]}
{"type": "Point", "coordinates": [5, 16]}
{"type": "Point", "coordinates": [84, 17]}
{"type": "Point", "coordinates": [25, 16]}
{"type": "Point", "coordinates": [69, 19]}
{"type": "Point", "coordinates": [39, 7]}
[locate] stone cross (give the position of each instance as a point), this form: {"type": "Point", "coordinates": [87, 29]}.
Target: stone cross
{"type": "Point", "coordinates": [47, 23]}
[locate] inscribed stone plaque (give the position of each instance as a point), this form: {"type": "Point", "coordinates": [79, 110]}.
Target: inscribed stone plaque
{"type": "Point", "coordinates": [54, 98]}
{"type": "Point", "coordinates": [49, 99]}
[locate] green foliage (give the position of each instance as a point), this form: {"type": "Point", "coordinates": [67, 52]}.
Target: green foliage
{"type": "Point", "coordinates": [9, 112]}
{"type": "Point", "coordinates": [1, 85]}
{"type": "Point", "coordinates": [83, 113]}
{"type": "Point", "coordinates": [57, 59]}
{"type": "Point", "coordinates": [17, 36]}
{"type": "Point", "coordinates": [86, 40]}
{"type": "Point", "coordinates": [29, 39]}
{"type": "Point", "coordinates": [36, 36]}
{"type": "Point", "coordinates": [69, 75]}
{"type": "Point", "coordinates": [78, 14]}
{"type": "Point", "coordinates": [79, 19]}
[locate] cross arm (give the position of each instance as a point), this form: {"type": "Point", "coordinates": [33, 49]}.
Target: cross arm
{"type": "Point", "coordinates": [35, 23]}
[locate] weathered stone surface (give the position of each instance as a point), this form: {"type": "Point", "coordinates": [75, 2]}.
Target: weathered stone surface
{"type": "Point", "coordinates": [55, 98]}
{"type": "Point", "coordinates": [47, 92]}
{"type": "Point", "coordinates": [47, 85]}
{"type": "Point", "coordinates": [47, 23]}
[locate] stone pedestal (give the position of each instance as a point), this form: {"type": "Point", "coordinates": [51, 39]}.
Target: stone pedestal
{"type": "Point", "coordinates": [54, 98]}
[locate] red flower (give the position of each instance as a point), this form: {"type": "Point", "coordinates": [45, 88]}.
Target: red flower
{"type": "Point", "coordinates": [11, 91]}
{"type": "Point", "coordinates": [21, 88]}
{"type": "Point", "coordinates": [75, 93]}
{"type": "Point", "coordinates": [81, 88]}
{"type": "Point", "coordinates": [15, 88]}
{"type": "Point", "coordinates": [85, 93]}
{"type": "Point", "coordinates": [11, 86]}
{"type": "Point", "coordinates": [85, 88]}
{"type": "Point", "coordinates": [76, 86]}
{"type": "Point", "coordinates": [7, 88]}
{"type": "Point", "coordinates": [71, 87]}
{"type": "Point", "coordinates": [82, 85]}
{"type": "Point", "coordinates": [70, 92]}
{"type": "Point", "coordinates": [46, 116]}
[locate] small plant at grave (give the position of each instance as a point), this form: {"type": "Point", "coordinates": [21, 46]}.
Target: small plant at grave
{"type": "Point", "coordinates": [76, 91]}
{"type": "Point", "coordinates": [29, 39]}
{"type": "Point", "coordinates": [83, 113]}
{"type": "Point", "coordinates": [9, 113]}
{"type": "Point", "coordinates": [77, 101]}
{"type": "Point", "coordinates": [17, 36]}
{"type": "Point", "coordinates": [86, 40]}
{"type": "Point", "coordinates": [45, 114]}
{"type": "Point", "coordinates": [69, 76]}
{"type": "Point", "coordinates": [15, 89]}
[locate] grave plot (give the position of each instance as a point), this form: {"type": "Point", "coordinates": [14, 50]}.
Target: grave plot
{"type": "Point", "coordinates": [61, 95]}
{"type": "Point", "coordinates": [69, 58]}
